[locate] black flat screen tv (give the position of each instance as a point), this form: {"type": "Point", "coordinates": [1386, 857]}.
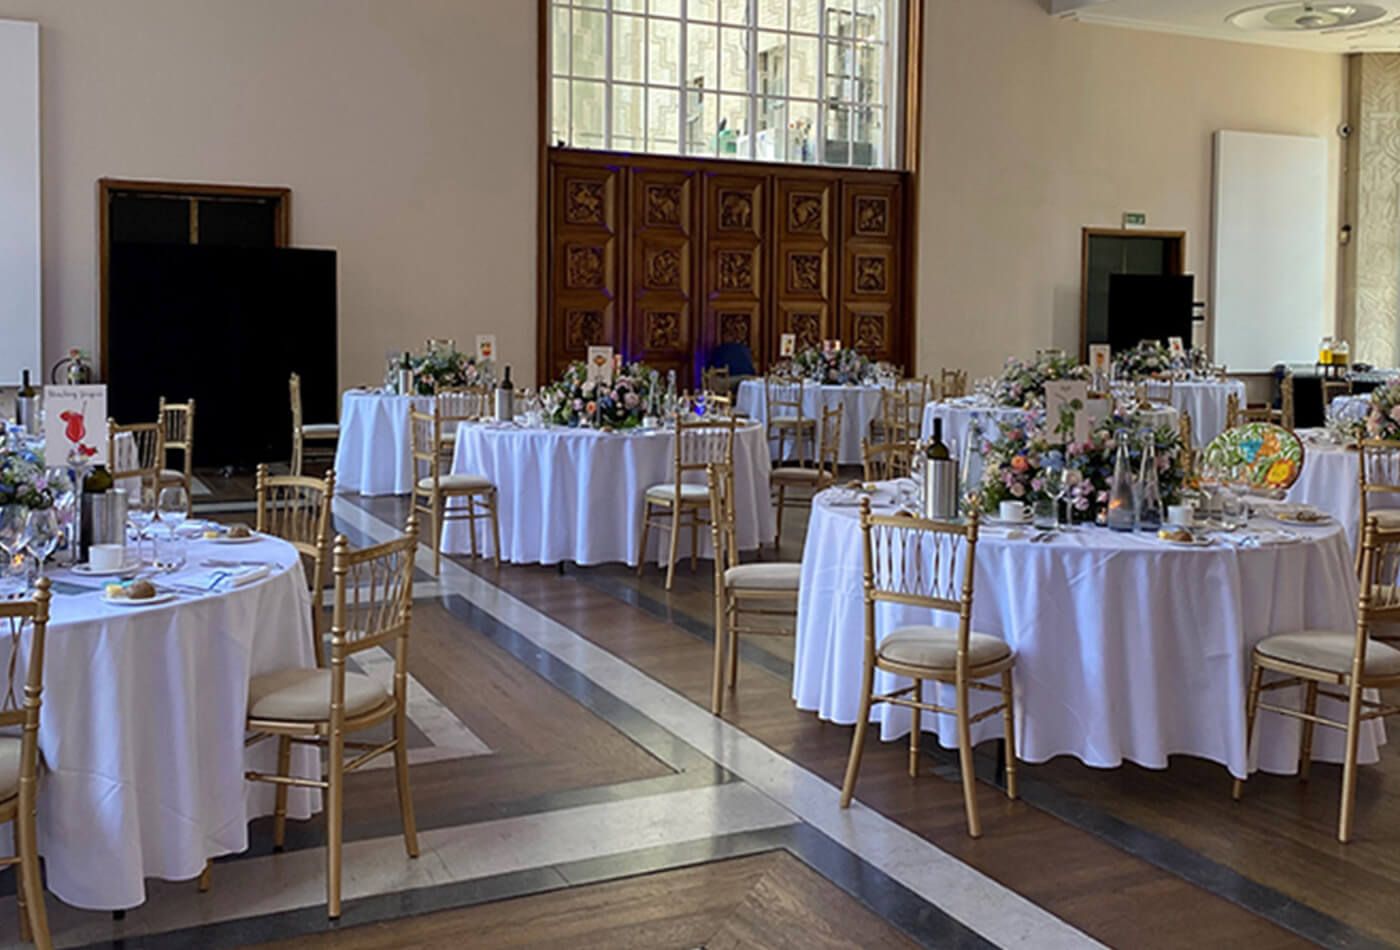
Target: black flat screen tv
{"type": "Point", "coordinates": [225, 326]}
{"type": "Point", "coordinates": [1149, 307]}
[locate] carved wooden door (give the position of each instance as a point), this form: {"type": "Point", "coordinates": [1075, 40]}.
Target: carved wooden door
{"type": "Point", "coordinates": [661, 311]}
{"type": "Point", "coordinates": [585, 257]}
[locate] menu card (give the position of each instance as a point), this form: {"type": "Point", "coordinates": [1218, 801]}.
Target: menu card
{"type": "Point", "coordinates": [1086, 420]}
{"type": "Point", "coordinates": [787, 344]}
{"type": "Point", "coordinates": [600, 365]}
{"type": "Point", "coordinates": [485, 347]}
{"type": "Point", "coordinates": [1100, 357]}
{"type": "Point", "coordinates": [1061, 396]}
{"type": "Point", "coordinates": [75, 422]}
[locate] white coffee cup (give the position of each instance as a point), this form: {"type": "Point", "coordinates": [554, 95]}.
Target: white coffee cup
{"type": "Point", "coordinates": [1012, 511]}
{"type": "Point", "coordinates": [106, 557]}
{"type": "Point", "coordinates": [1184, 515]}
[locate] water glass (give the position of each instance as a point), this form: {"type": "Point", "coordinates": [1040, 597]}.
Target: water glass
{"type": "Point", "coordinates": [42, 535]}
{"type": "Point", "coordinates": [1234, 513]}
{"type": "Point", "coordinates": [173, 506]}
{"type": "Point", "coordinates": [1045, 514]}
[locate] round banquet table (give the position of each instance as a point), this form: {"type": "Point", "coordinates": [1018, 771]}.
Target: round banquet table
{"type": "Point", "coordinates": [1127, 648]}
{"type": "Point", "coordinates": [142, 726]}
{"type": "Point", "coordinates": [861, 407]}
{"type": "Point", "coordinates": [576, 494]}
{"type": "Point", "coordinates": [959, 414]}
{"type": "Point", "coordinates": [372, 454]}
{"type": "Point", "coordinates": [1330, 481]}
{"type": "Point", "coordinates": [1206, 400]}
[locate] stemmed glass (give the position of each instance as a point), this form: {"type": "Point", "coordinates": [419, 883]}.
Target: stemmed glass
{"type": "Point", "coordinates": [173, 506]}
{"type": "Point", "coordinates": [42, 533]}
{"type": "Point", "coordinates": [1056, 485]}
{"type": "Point", "coordinates": [14, 525]}
{"type": "Point", "coordinates": [140, 513]}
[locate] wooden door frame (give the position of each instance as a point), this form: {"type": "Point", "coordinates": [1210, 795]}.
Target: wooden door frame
{"type": "Point", "coordinates": [1176, 267]}
{"type": "Point", "coordinates": [909, 144]}
{"type": "Point", "coordinates": [282, 195]}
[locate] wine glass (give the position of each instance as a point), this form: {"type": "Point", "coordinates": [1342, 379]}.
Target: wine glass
{"type": "Point", "coordinates": [42, 532]}
{"type": "Point", "coordinates": [173, 505]}
{"type": "Point", "coordinates": [1055, 485]}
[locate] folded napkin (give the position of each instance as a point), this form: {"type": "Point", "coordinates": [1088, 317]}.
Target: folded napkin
{"type": "Point", "coordinates": [248, 575]}
{"type": "Point", "coordinates": [225, 578]}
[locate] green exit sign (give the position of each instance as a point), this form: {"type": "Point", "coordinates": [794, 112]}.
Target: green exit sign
{"type": "Point", "coordinates": [1134, 219]}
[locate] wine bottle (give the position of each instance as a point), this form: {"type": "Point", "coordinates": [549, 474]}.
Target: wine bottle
{"type": "Point", "coordinates": [940, 478]}
{"type": "Point", "coordinates": [27, 407]}
{"type": "Point", "coordinates": [97, 481]}
{"type": "Point", "coordinates": [936, 450]}
{"type": "Point", "coordinates": [505, 399]}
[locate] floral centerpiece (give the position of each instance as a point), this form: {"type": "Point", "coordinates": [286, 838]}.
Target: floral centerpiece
{"type": "Point", "coordinates": [1148, 358]}
{"type": "Point", "coordinates": [579, 401]}
{"type": "Point", "coordinates": [22, 479]}
{"type": "Point", "coordinates": [843, 367]}
{"type": "Point", "coordinates": [443, 367]}
{"type": "Point", "coordinates": [1017, 463]}
{"type": "Point", "coordinates": [1022, 384]}
{"type": "Point", "coordinates": [1383, 415]}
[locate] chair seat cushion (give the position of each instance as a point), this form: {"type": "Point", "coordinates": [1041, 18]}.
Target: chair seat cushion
{"type": "Point", "coordinates": [456, 483]}
{"type": "Point", "coordinates": [689, 492]}
{"type": "Point", "coordinates": [1385, 517]}
{"type": "Point", "coordinates": [305, 695]}
{"type": "Point", "coordinates": [172, 475]}
{"type": "Point", "coordinates": [772, 576]}
{"type": "Point", "coordinates": [9, 766]}
{"type": "Point", "coordinates": [792, 475]}
{"type": "Point", "coordinates": [325, 430]}
{"type": "Point", "coordinates": [1329, 651]}
{"type": "Point", "coordinates": [936, 648]}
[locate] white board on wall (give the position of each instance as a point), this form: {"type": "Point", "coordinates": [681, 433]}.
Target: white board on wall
{"type": "Point", "coordinates": [1269, 277]}
{"type": "Point", "coordinates": [20, 310]}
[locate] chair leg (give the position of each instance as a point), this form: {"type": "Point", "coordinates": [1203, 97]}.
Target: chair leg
{"type": "Point", "coordinates": [279, 813]}
{"type": "Point", "coordinates": [733, 609]}
{"type": "Point", "coordinates": [335, 819]}
{"type": "Point", "coordinates": [1251, 708]}
{"type": "Point", "coordinates": [1008, 720]}
{"type": "Point", "coordinates": [435, 538]}
{"type": "Point", "coordinates": [27, 847]}
{"type": "Point", "coordinates": [867, 692]}
{"type": "Point", "coordinates": [471, 524]}
{"type": "Point", "coordinates": [495, 499]}
{"type": "Point", "coordinates": [646, 532]}
{"type": "Point", "coordinates": [722, 635]}
{"type": "Point", "coordinates": [25, 932]}
{"type": "Point", "coordinates": [915, 728]}
{"type": "Point", "coordinates": [1349, 765]}
{"type": "Point", "coordinates": [410, 824]}
{"type": "Point", "coordinates": [675, 543]}
{"type": "Point", "coordinates": [694, 539]}
{"type": "Point", "coordinates": [965, 764]}
{"type": "Point", "coordinates": [778, 535]}
{"type": "Point", "coordinates": [206, 877]}
{"type": "Point", "coordinates": [1305, 749]}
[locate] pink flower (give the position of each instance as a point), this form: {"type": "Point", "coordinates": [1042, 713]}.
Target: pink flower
{"type": "Point", "coordinates": [1018, 490]}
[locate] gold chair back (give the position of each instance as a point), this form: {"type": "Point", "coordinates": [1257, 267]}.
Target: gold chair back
{"type": "Point", "coordinates": [952, 383]}
{"type": "Point", "coordinates": [297, 509]}
{"type": "Point", "coordinates": [149, 452]}
{"type": "Point", "coordinates": [918, 563]}
{"type": "Point", "coordinates": [1188, 444]}
{"type": "Point", "coordinates": [782, 397]}
{"type": "Point", "coordinates": [373, 601]}
{"type": "Point", "coordinates": [463, 404]}
{"type": "Point", "coordinates": [1378, 473]}
{"type": "Point", "coordinates": [1331, 389]}
{"type": "Point", "coordinates": [1232, 411]}
{"type": "Point", "coordinates": [901, 412]}
{"type": "Point", "coordinates": [700, 444]}
{"type": "Point", "coordinates": [425, 432]}
{"type": "Point", "coordinates": [1380, 582]}
{"type": "Point", "coordinates": [829, 452]}
{"type": "Point", "coordinates": [177, 433]}
{"type": "Point", "coordinates": [883, 461]}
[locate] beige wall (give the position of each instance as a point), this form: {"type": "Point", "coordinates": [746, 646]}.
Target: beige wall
{"type": "Point", "coordinates": [406, 130]}
{"type": "Point", "coordinates": [1035, 127]}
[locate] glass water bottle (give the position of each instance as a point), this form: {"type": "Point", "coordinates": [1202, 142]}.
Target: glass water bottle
{"type": "Point", "coordinates": [1122, 505]}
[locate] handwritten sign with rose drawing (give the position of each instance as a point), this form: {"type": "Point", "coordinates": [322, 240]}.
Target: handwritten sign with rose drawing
{"type": "Point", "coordinates": [75, 424]}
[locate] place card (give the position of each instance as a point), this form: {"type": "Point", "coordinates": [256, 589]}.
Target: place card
{"type": "Point", "coordinates": [1175, 346]}
{"type": "Point", "coordinates": [830, 346]}
{"type": "Point", "coordinates": [1086, 420]}
{"type": "Point", "coordinates": [1100, 357]}
{"type": "Point", "coordinates": [787, 344]}
{"type": "Point", "coordinates": [486, 347]}
{"type": "Point", "coordinates": [600, 365]}
{"type": "Point", "coordinates": [1061, 396]}
{"type": "Point", "coordinates": [75, 423]}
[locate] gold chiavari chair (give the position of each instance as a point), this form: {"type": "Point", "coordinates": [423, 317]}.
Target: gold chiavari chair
{"type": "Point", "coordinates": [1331, 389]}
{"type": "Point", "coordinates": [304, 432]}
{"type": "Point", "coordinates": [177, 434]}
{"type": "Point", "coordinates": [141, 457]}
{"type": "Point", "coordinates": [901, 412]}
{"type": "Point", "coordinates": [461, 404]}
{"type": "Point", "coordinates": [742, 591]}
{"type": "Point", "coordinates": [1263, 412]}
{"type": "Point", "coordinates": [1350, 661]}
{"type": "Point", "coordinates": [1188, 444]}
{"type": "Point", "coordinates": [883, 461]}
{"type": "Point", "coordinates": [808, 480]}
{"type": "Point", "coordinates": [372, 608]}
{"type": "Point", "coordinates": [783, 408]}
{"type": "Point", "coordinates": [680, 504]}
{"type": "Point", "coordinates": [952, 383]}
{"type": "Point", "coordinates": [1378, 475]}
{"type": "Point", "coordinates": [433, 489]}
{"type": "Point", "coordinates": [1233, 417]}
{"type": "Point", "coordinates": [19, 780]}
{"type": "Point", "coordinates": [297, 509]}
{"type": "Point", "coordinates": [922, 564]}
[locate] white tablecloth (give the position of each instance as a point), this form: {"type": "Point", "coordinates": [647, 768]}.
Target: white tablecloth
{"type": "Point", "coordinates": [1357, 403]}
{"type": "Point", "coordinates": [372, 456]}
{"type": "Point", "coordinates": [576, 494]}
{"type": "Point", "coordinates": [1127, 648]}
{"type": "Point", "coordinates": [862, 406]}
{"type": "Point", "coordinates": [959, 414]}
{"type": "Point", "coordinates": [1207, 401]}
{"type": "Point", "coordinates": [1330, 481]}
{"type": "Point", "coordinates": [141, 729]}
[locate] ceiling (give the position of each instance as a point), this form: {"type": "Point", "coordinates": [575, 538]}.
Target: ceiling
{"type": "Point", "coordinates": [1213, 18]}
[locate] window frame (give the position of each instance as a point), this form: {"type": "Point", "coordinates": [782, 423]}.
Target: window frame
{"type": "Point", "coordinates": [890, 107]}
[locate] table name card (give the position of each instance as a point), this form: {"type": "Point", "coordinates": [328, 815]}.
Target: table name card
{"type": "Point", "coordinates": [600, 365]}
{"type": "Point", "coordinates": [75, 424]}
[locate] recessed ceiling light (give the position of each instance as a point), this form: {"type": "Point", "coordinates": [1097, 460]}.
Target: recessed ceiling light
{"type": "Point", "coordinates": [1306, 16]}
